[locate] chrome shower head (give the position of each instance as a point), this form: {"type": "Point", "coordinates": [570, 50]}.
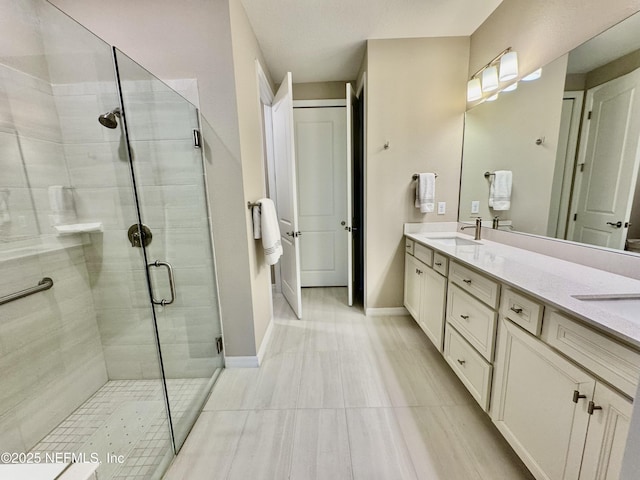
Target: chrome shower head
{"type": "Point", "coordinates": [109, 119]}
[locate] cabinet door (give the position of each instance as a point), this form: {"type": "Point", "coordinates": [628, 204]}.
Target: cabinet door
{"type": "Point", "coordinates": [533, 405]}
{"type": "Point", "coordinates": [607, 435]}
{"type": "Point", "coordinates": [434, 290]}
{"type": "Point", "coordinates": [413, 269]}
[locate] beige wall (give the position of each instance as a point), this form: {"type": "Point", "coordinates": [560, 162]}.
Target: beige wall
{"type": "Point", "coordinates": [319, 90]}
{"type": "Point", "coordinates": [612, 70]}
{"type": "Point", "coordinates": [192, 39]}
{"type": "Point", "coordinates": [501, 135]}
{"type": "Point", "coordinates": [542, 30]}
{"type": "Point", "coordinates": [245, 52]}
{"type": "Point", "coordinates": [416, 101]}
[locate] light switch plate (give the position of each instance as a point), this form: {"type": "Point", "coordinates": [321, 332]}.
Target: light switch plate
{"type": "Point", "coordinates": [442, 207]}
{"type": "Point", "coordinates": [475, 206]}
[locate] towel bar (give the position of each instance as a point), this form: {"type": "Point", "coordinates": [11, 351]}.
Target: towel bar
{"type": "Point", "coordinates": [416, 176]}
{"type": "Point", "coordinates": [489, 174]}
{"type": "Point", "coordinates": [250, 205]}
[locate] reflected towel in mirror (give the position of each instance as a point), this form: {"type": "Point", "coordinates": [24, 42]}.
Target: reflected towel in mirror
{"type": "Point", "coordinates": [500, 190]}
{"type": "Point", "coordinates": [425, 192]}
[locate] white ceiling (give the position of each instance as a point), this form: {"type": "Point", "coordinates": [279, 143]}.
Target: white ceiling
{"type": "Point", "coordinates": [324, 40]}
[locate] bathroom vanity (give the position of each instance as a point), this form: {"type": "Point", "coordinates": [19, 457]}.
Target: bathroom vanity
{"type": "Point", "coordinates": [550, 349]}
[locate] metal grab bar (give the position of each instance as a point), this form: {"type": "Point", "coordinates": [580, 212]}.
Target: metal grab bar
{"type": "Point", "coordinates": [172, 285]}
{"type": "Point", "coordinates": [45, 284]}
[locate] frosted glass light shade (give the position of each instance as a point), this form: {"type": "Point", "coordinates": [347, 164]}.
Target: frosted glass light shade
{"type": "Point", "coordinates": [490, 79]}
{"type": "Point", "coordinates": [508, 66]}
{"type": "Point", "coordinates": [474, 91]}
{"type": "Point", "coordinates": [492, 98]}
{"type": "Point", "coordinates": [511, 87]}
{"type": "Point", "coordinates": [533, 76]}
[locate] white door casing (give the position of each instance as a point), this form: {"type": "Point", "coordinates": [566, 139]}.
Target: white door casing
{"type": "Point", "coordinates": [321, 146]}
{"type": "Point", "coordinates": [285, 173]}
{"type": "Point", "coordinates": [351, 98]}
{"type": "Point", "coordinates": [610, 167]}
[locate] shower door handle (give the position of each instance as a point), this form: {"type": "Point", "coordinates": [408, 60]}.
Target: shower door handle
{"type": "Point", "coordinates": [172, 284]}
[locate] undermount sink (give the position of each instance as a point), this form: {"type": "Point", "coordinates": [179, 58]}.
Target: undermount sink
{"type": "Point", "coordinates": [608, 296]}
{"type": "Point", "coordinates": [454, 241]}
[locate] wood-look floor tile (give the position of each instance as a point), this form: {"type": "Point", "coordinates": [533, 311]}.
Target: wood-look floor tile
{"type": "Point", "coordinates": [435, 447]}
{"type": "Point", "coordinates": [362, 381]}
{"type": "Point", "coordinates": [321, 446]}
{"type": "Point", "coordinates": [234, 390]}
{"type": "Point", "coordinates": [491, 454]}
{"type": "Point", "coordinates": [278, 382]}
{"type": "Point", "coordinates": [378, 449]}
{"type": "Point", "coordinates": [321, 383]}
{"type": "Point", "coordinates": [210, 447]}
{"type": "Point", "coordinates": [265, 447]}
{"type": "Point", "coordinates": [406, 378]}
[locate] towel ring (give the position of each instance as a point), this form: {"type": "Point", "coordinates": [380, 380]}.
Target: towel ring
{"type": "Point", "coordinates": [416, 176]}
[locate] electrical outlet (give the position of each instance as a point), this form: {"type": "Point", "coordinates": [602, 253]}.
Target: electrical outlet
{"type": "Point", "coordinates": [442, 207]}
{"type": "Point", "coordinates": [475, 206]}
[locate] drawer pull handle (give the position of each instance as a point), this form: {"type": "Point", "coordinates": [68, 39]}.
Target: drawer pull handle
{"type": "Point", "coordinates": [468, 282]}
{"type": "Point", "coordinates": [461, 362]}
{"type": "Point", "coordinates": [438, 264]}
{"type": "Point", "coordinates": [515, 309]}
{"type": "Point", "coordinates": [466, 317]}
{"type": "Point", "coordinates": [577, 396]}
{"type": "Point", "coordinates": [592, 406]}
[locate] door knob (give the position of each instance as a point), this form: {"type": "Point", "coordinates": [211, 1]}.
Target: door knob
{"type": "Point", "coordinates": [616, 224]}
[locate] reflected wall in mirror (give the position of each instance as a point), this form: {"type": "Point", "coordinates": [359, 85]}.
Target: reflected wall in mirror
{"type": "Point", "coordinates": [571, 142]}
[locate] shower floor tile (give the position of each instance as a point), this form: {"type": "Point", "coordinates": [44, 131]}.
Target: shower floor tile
{"type": "Point", "coordinates": [126, 418]}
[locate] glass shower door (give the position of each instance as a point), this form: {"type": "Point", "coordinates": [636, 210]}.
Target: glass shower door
{"type": "Point", "coordinates": [169, 178]}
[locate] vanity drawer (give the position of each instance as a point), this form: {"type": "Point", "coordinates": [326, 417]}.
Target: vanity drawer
{"type": "Point", "coordinates": [480, 287]}
{"type": "Point", "coordinates": [614, 362]}
{"type": "Point", "coordinates": [440, 263]}
{"type": "Point", "coordinates": [522, 311]}
{"type": "Point", "coordinates": [473, 370]}
{"type": "Point", "coordinates": [408, 246]}
{"type": "Point", "coordinates": [424, 254]}
{"type": "Point", "coordinates": [473, 320]}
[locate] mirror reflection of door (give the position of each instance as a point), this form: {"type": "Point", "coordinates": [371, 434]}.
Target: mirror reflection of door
{"type": "Point", "coordinates": [610, 168]}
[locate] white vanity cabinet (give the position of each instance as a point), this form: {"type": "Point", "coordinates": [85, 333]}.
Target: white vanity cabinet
{"type": "Point", "coordinates": [425, 292]}
{"type": "Point", "coordinates": [562, 421]}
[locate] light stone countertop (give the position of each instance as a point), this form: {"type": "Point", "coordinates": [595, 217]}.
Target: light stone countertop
{"type": "Point", "coordinates": [551, 280]}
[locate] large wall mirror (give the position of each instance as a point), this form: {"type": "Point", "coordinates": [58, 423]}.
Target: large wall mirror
{"type": "Point", "coordinates": [571, 140]}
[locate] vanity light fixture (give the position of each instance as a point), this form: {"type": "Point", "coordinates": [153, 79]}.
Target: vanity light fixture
{"type": "Point", "coordinates": [511, 87]}
{"type": "Point", "coordinates": [492, 98]}
{"type": "Point", "coordinates": [490, 79]}
{"type": "Point", "coordinates": [533, 76]}
{"type": "Point", "coordinates": [474, 90]}
{"type": "Point", "coordinates": [502, 68]}
{"type": "Point", "coordinates": [508, 66]}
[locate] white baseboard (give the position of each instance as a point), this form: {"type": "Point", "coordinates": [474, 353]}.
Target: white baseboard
{"type": "Point", "coordinates": [265, 342]}
{"type": "Point", "coordinates": [386, 312]}
{"type": "Point", "coordinates": [241, 362]}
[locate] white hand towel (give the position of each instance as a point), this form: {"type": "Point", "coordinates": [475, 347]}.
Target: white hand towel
{"type": "Point", "coordinates": [500, 190]}
{"type": "Point", "coordinates": [62, 205]}
{"type": "Point", "coordinates": [426, 192]}
{"type": "Point", "coordinates": [257, 222]}
{"type": "Point", "coordinates": [270, 231]}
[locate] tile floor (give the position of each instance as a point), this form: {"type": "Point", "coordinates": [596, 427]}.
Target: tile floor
{"type": "Point", "coordinates": [344, 396]}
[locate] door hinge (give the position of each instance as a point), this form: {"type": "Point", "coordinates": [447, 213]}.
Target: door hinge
{"type": "Point", "coordinates": [575, 217]}
{"type": "Point", "coordinates": [589, 115]}
{"type": "Point", "coordinates": [219, 345]}
{"type": "Point", "coordinates": [197, 140]}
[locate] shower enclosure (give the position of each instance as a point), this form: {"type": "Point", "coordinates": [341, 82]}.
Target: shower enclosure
{"type": "Point", "coordinates": [101, 192]}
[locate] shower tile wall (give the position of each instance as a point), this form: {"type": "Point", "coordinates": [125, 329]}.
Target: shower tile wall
{"type": "Point", "coordinates": [51, 357]}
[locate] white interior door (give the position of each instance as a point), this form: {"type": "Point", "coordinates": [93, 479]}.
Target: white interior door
{"type": "Point", "coordinates": [321, 156]}
{"type": "Point", "coordinates": [285, 172]}
{"type": "Point", "coordinates": [610, 167]}
{"type": "Point", "coordinates": [351, 97]}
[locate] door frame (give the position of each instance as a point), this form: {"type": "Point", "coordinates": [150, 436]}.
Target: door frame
{"type": "Point", "coordinates": [362, 94]}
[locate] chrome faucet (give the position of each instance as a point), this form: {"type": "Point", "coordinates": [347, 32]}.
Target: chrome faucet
{"type": "Point", "coordinates": [478, 227]}
{"type": "Point", "coordinates": [496, 222]}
